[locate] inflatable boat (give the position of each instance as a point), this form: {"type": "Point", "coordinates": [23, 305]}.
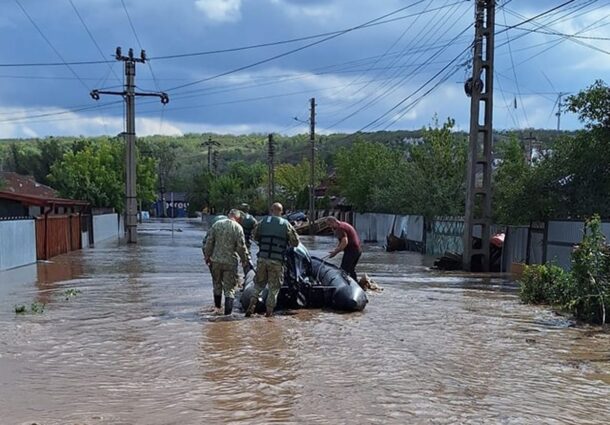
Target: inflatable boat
{"type": "Point", "coordinates": [310, 282]}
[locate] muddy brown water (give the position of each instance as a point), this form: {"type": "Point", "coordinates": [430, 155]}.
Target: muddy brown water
{"type": "Point", "coordinates": [135, 347]}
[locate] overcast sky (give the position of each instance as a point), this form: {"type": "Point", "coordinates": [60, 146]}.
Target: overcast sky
{"type": "Point", "coordinates": [371, 78]}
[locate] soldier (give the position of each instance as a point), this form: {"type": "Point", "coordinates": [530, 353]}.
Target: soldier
{"type": "Point", "coordinates": [248, 223]}
{"type": "Point", "coordinates": [273, 234]}
{"type": "Point", "coordinates": [211, 222]}
{"type": "Point", "coordinates": [225, 244]}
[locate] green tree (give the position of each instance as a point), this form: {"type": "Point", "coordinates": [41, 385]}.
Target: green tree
{"type": "Point", "coordinates": [437, 172]}
{"type": "Point", "coordinates": [225, 192]}
{"type": "Point", "coordinates": [592, 105]}
{"type": "Point", "coordinates": [292, 180]}
{"type": "Point", "coordinates": [509, 184]}
{"type": "Point", "coordinates": [97, 174]}
{"type": "Point", "coordinates": [364, 170]}
{"type": "Point", "coordinates": [573, 178]}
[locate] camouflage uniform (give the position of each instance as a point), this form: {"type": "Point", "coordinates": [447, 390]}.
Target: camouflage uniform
{"type": "Point", "coordinates": [248, 223]}
{"type": "Point", "coordinates": [211, 221]}
{"type": "Point", "coordinates": [224, 246]}
{"type": "Point", "coordinates": [270, 264]}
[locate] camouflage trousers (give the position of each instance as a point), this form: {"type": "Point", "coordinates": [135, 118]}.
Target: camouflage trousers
{"type": "Point", "coordinates": [271, 273]}
{"type": "Point", "coordinates": [224, 279]}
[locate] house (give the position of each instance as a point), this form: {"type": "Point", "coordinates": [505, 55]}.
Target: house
{"type": "Point", "coordinates": [59, 223]}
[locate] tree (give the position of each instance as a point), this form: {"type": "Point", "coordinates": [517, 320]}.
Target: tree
{"type": "Point", "coordinates": [509, 182]}
{"type": "Point", "coordinates": [573, 179]}
{"type": "Point", "coordinates": [437, 172]}
{"type": "Point", "coordinates": [293, 180]}
{"type": "Point", "coordinates": [97, 174]}
{"type": "Point", "coordinates": [364, 170]}
{"type": "Point", "coordinates": [592, 105]}
{"type": "Point", "coordinates": [225, 192]}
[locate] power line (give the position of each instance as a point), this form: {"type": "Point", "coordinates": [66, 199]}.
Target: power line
{"type": "Point", "coordinates": [535, 17]}
{"type": "Point", "coordinates": [69, 111]}
{"type": "Point", "coordinates": [304, 38]}
{"type": "Point", "coordinates": [510, 51]}
{"type": "Point", "coordinates": [393, 108]}
{"type": "Point", "coordinates": [391, 88]}
{"type": "Point", "coordinates": [292, 51]}
{"type": "Point", "coordinates": [385, 53]}
{"type": "Point", "coordinates": [152, 73]}
{"type": "Point", "coordinates": [561, 34]}
{"type": "Point", "coordinates": [574, 40]}
{"type": "Point", "coordinates": [50, 44]}
{"type": "Point", "coordinates": [99, 49]}
{"type": "Point", "coordinates": [233, 49]}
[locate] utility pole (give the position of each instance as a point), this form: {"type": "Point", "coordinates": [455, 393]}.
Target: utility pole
{"type": "Point", "coordinates": [209, 144]}
{"type": "Point", "coordinates": [129, 94]}
{"type": "Point", "coordinates": [558, 113]}
{"type": "Point", "coordinates": [530, 140]}
{"type": "Point", "coordinates": [480, 160]}
{"type": "Point", "coordinates": [271, 175]}
{"type": "Point", "coordinates": [215, 162]}
{"type": "Point", "coordinates": [312, 142]}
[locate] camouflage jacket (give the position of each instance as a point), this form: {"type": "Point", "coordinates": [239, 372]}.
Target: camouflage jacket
{"type": "Point", "coordinates": [226, 244]}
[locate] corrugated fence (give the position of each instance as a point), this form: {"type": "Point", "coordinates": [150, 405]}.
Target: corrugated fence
{"type": "Point", "coordinates": [561, 238]}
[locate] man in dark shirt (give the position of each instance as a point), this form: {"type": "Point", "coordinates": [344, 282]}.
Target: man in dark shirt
{"type": "Point", "coordinates": [349, 243]}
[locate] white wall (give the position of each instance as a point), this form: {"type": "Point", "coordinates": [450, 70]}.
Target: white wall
{"type": "Point", "coordinates": [105, 226]}
{"type": "Point", "coordinates": [17, 243]}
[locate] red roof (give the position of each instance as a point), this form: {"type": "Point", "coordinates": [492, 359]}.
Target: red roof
{"type": "Point", "coordinates": [28, 191]}
{"type": "Point", "coordinates": [41, 202]}
{"type": "Point", "coordinates": [25, 185]}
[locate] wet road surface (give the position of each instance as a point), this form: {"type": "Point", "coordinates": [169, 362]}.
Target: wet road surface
{"type": "Point", "coordinates": [137, 345]}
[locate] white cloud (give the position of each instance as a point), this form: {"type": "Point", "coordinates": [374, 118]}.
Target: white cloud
{"type": "Point", "coordinates": [312, 10]}
{"type": "Point", "coordinates": [220, 10]}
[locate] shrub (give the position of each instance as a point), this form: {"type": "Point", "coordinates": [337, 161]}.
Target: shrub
{"type": "Point", "coordinates": [543, 284]}
{"type": "Point", "coordinates": [589, 297]}
{"type": "Point", "coordinates": [585, 291]}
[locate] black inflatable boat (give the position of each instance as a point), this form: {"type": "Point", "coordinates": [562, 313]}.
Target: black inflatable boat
{"type": "Point", "coordinates": [310, 282]}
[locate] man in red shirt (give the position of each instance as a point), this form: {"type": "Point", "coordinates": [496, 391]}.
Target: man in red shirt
{"type": "Point", "coordinates": [349, 243]}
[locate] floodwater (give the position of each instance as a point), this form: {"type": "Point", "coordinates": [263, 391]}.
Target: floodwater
{"type": "Point", "coordinates": [136, 345]}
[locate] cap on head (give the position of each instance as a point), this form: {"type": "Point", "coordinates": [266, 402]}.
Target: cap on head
{"type": "Point", "coordinates": [276, 209]}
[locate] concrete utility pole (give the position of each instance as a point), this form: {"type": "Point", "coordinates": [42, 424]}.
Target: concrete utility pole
{"type": "Point", "coordinates": [209, 143]}
{"type": "Point", "coordinates": [271, 175]}
{"type": "Point", "coordinates": [129, 94]}
{"type": "Point", "coordinates": [531, 140]}
{"type": "Point", "coordinates": [312, 142]}
{"type": "Point", "coordinates": [558, 113]}
{"type": "Point", "coordinates": [480, 160]}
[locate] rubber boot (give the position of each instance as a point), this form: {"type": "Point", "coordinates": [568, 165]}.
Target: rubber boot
{"type": "Point", "coordinates": [269, 312]}
{"type": "Point", "coordinates": [228, 306]}
{"type": "Point", "coordinates": [217, 301]}
{"type": "Point", "coordinates": [251, 307]}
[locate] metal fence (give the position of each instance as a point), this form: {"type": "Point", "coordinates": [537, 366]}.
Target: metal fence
{"type": "Point", "coordinates": [445, 234]}
{"type": "Point", "coordinates": [561, 236]}
{"type": "Point", "coordinates": [17, 243]}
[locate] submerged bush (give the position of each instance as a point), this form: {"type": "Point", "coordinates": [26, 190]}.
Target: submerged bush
{"type": "Point", "coordinates": [583, 292]}
{"type": "Point", "coordinates": [543, 284]}
{"type": "Point", "coordinates": [589, 299]}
